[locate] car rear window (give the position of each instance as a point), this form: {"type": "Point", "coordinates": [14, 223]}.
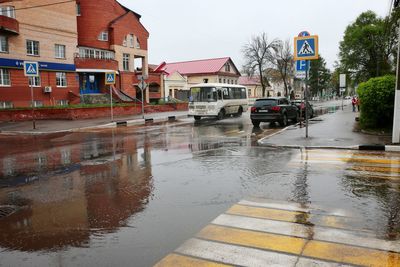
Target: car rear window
{"type": "Point", "coordinates": [265, 102]}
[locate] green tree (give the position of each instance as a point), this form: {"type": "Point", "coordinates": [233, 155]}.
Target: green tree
{"type": "Point", "coordinates": [369, 45]}
{"type": "Point", "coordinates": [320, 76]}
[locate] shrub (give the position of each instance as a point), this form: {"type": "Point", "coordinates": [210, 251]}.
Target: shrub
{"type": "Point", "coordinates": [377, 102]}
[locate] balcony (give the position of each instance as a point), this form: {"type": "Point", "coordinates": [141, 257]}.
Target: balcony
{"type": "Point", "coordinates": [9, 25]}
{"type": "Point", "coordinates": [96, 63]}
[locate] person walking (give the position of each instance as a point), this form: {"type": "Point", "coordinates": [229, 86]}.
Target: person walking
{"type": "Point", "coordinates": [358, 104]}
{"type": "Point", "coordinates": [353, 103]}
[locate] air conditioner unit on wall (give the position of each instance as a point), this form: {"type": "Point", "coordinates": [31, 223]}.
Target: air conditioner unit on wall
{"type": "Point", "coordinates": [47, 89]}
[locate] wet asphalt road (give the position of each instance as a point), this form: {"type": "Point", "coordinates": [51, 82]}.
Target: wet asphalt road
{"type": "Point", "coordinates": [129, 196]}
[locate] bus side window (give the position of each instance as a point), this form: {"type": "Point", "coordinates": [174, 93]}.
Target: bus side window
{"type": "Point", "coordinates": [219, 95]}
{"type": "Point", "coordinates": [226, 93]}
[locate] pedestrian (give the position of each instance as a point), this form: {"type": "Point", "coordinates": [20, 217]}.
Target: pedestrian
{"type": "Point", "coordinates": [358, 104]}
{"type": "Point", "coordinates": [353, 103]}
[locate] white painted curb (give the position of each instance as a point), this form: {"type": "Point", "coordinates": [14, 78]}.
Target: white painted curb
{"type": "Point", "coordinates": [135, 122]}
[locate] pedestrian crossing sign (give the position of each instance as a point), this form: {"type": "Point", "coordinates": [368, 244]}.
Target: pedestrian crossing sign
{"type": "Point", "coordinates": [110, 78]}
{"type": "Point", "coordinates": [31, 69]}
{"type": "Point", "coordinates": [306, 47]}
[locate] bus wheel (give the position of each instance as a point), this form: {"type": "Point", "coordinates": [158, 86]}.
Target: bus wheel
{"type": "Point", "coordinates": [197, 118]}
{"type": "Point", "coordinates": [240, 111]}
{"type": "Point", "coordinates": [221, 114]}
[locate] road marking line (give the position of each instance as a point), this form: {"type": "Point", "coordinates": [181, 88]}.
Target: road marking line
{"type": "Point", "coordinates": [376, 169]}
{"type": "Point", "coordinates": [291, 206]}
{"type": "Point", "coordinates": [235, 255]}
{"type": "Point", "coordinates": [362, 239]}
{"type": "Point", "coordinates": [286, 244]}
{"type": "Point", "coordinates": [175, 260]}
{"type": "Point", "coordinates": [294, 217]}
{"type": "Point", "coordinates": [351, 255]}
{"type": "Point", "coordinates": [293, 245]}
{"type": "Point", "coordinates": [348, 160]}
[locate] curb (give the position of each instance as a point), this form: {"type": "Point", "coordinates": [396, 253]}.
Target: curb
{"type": "Point", "coordinates": [372, 147]}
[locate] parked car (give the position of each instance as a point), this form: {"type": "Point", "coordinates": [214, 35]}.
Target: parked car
{"type": "Point", "coordinates": [273, 109]}
{"type": "Point", "coordinates": [301, 106]}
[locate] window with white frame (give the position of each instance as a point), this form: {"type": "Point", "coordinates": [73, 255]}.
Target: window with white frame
{"type": "Point", "coordinates": [7, 11]}
{"type": "Point", "coordinates": [85, 52]}
{"type": "Point", "coordinates": [5, 77]}
{"type": "Point", "coordinates": [62, 102]}
{"type": "Point", "coordinates": [59, 50]}
{"type": "Point", "coordinates": [103, 36]}
{"type": "Point", "coordinates": [34, 81]}
{"type": "Point", "coordinates": [61, 79]}
{"type": "Point", "coordinates": [37, 103]}
{"type": "Point", "coordinates": [3, 44]}
{"type": "Point", "coordinates": [125, 62]}
{"type": "Point", "coordinates": [6, 104]}
{"type": "Point", "coordinates": [78, 9]}
{"type": "Point", "coordinates": [137, 43]}
{"type": "Point", "coordinates": [32, 48]}
{"type": "Point", "coordinates": [131, 39]}
{"type": "Point", "coordinates": [227, 67]}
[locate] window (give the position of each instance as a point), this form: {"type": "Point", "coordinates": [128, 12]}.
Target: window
{"type": "Point", "coordinates": [37, 103]}
{"type": "Point", "coordinates": [205, 80]}
{"type": "Point", "coordinates": [3, 44]}
{"type": "Point", "coordinates": [5, 77]}
{"type": "Point", "coordinates": [34, 81]}
{"type": "Point", "coordinates": [103, 36]}
{"type": "Point", "coordinates": [125, 62]}
{"type": "Point", "coordinates": [62, 102]}
{"type": "Point", "coordinates": [95, 53]}
{"type": "Point", "coordinates": [78, 9]}
{"type": "Point", "coordinates": [7, 11]}
{"type": "Point", "coordinates": [137, 43]}
{"type": "Point", "coordinates": [61, 79]}
{"type": "Point", "coordinates": [227, 67]}
{"type": "Point", "coordinates": [220, 80]}
{"type": "Point", "coordinates": [59, 50]}
{"type": "Point", "coordinates": [6, 104]}
{"type": "Point", "coordinates": [131, 39]}
{"type": "Point", "coordinates": [32, 48]}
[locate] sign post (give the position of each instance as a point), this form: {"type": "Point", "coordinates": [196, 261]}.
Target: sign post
{"type": "Point", "coordinates": [142, 86]}
{"type": "Point", "coordinates": [110, 81]}
{"type": "Point", "coordinates": [306, 49]}
{"type": "Point", "coordinates": [342, 86]}
{"type": "Point", "coordinates": [31, 70]}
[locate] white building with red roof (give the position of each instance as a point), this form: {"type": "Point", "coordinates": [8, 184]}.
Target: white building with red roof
{"type": "Point", "coordinates": [179, 76]}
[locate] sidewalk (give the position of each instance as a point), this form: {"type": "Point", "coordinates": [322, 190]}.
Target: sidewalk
{"type": "Point", "coordinates": [336, 130]}
{"type": "Point", "coordinates": [54, 126]}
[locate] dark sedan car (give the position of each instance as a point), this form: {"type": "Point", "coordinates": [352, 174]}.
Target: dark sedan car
{"type": "Point", "coordinates": [273, 109]}
{"type": "Point", "coordinates": [301, 106]}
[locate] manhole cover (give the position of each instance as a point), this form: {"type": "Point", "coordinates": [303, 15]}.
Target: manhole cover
{"type": "Point", "coordinates": [7, 210]}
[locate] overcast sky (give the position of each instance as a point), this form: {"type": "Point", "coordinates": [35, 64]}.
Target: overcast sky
{"type": "Point", "coordinates": [183, 30]}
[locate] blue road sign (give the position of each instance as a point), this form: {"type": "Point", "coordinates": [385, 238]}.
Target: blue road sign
{"type": "Point", "coordinates": [304, 33]}
{"type": "Point", "coordinates": [110, 78]}
{"type": "Point", "coordinates": [302, 65]}
{"type": "Point", "coordinates": [31, 69]}
{"type": "Point", "coordinates": [306, 48]}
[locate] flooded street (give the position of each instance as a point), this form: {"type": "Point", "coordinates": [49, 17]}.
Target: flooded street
{"type": "Point", "coordinates": [131, 195]}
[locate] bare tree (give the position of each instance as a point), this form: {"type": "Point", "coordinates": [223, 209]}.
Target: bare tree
{"type": "Point", "coordinates": [282, 59]}
{"type": "Point", "coordinates": [257, 54]}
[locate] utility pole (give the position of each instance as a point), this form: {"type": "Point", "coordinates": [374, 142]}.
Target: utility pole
{"type": "Point", "coordinates": [396, 116]}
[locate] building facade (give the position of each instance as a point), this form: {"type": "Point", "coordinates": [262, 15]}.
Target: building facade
{"type": "Point", "coordinates": [29, 32]}
{"type": "Point", "coordinates": [110, 38]}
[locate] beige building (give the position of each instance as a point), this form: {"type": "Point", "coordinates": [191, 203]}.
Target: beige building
{"type": "Point", "coordinates": [180, 76]}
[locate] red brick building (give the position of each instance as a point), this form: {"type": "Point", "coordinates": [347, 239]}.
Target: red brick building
{"type": "Point", "coordinates": [110, 38]}
{"type": "Point", "coordinates": [28, 32]}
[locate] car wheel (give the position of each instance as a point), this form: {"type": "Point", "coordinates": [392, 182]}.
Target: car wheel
{"type": "Point", "coordinates": [197, 118]}
{"type": "Point", "coordinates": [221, 114]}
{"type": "Point", "coordinates": [255, 123]}
{"type": "Point", "coordinates": [284, 120]}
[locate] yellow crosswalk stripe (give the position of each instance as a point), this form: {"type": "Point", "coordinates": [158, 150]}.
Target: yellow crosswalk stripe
{"type": "Point", "coordinates": [302, 247]}
{"type": "Point", "coordinates": [293, 216]}
{"type": "Point", "coordinates": [375, 169]}
{"type": "Point", "coordinates": [350, 160]}
{"type": "Point", "coordinates": [350, 254]}
{"type": "Point", "coordinates": [175, 260]}
{"type": "Point", "coordinates": [267, 241]}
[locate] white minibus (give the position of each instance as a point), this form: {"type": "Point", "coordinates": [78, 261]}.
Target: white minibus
{"type": "Point", "coordinates": [217, 100]}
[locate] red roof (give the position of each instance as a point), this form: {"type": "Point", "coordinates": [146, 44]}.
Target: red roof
{"type": "Point", "coordinates": [244, 80]}
{"type": "Point", "coordinates": [194, 67]}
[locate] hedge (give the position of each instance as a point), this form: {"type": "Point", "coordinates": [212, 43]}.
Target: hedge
{"type": "Point", "coordinates": [377, 102]}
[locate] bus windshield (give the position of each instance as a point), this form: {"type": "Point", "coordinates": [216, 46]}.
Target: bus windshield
{"type": "Point", "coordinates": [203, 94]}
